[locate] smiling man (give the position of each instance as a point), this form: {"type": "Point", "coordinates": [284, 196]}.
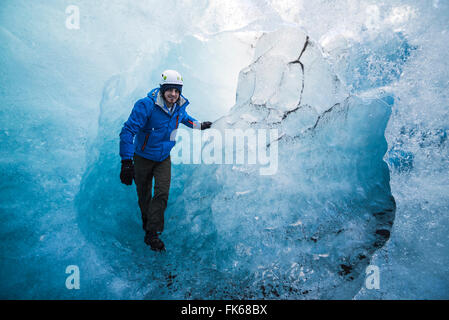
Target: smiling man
{"type": "Point", "coordinates": [146, 138]}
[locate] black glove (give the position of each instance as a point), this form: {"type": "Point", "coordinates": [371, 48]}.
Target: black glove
{"type": "Point", "coordinates": [205, 125]}
{"type": "Point", "coordinates": [127, 172]}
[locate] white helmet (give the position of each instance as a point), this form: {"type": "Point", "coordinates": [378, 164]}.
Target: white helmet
{"type": "Point", "coordinates": [171, 77]}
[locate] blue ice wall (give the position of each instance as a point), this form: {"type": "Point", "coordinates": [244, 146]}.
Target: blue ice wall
{"type": "Point", "coordinates": [229, 230]}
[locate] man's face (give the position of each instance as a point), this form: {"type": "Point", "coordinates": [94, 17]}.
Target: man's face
{"type": "Point", "coordinates": [171, 95]}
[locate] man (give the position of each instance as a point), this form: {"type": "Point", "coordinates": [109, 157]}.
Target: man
{"type": "Point", "coordinates": [151, 123]}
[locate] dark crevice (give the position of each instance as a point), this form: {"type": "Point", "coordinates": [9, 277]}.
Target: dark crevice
{"type": "Point", "coordinates": [303, 75]}
{"type": "Point", "coordinates": [302, 84]}
{"type": "Point", "coordinates": [300, 55]}
{"type": "Point", "coordinates": [321, 115]}
{"type": "Point", "coordinates": [310, 128]}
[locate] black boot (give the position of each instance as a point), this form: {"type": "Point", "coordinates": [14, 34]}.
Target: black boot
{"type": "Point", "coordinates": [152, 239]}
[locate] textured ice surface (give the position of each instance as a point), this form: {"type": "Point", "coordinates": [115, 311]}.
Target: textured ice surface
{"type": "Point", "coordinates": [307, 232]}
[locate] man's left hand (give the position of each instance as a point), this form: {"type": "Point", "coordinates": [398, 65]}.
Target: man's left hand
{"type": "Point", "coordinates": [205, 125]}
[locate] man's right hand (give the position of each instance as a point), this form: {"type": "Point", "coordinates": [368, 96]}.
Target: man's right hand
{"type": "Point", "coordinates": [127, 172]}
{"type": "Point", "coordinates": [205, 125]}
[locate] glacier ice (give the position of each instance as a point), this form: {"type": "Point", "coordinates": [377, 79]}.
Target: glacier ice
{"type": "Point", "coordinates": [266, 231]}
{"type": "Point", "coordinates": [362, 172]}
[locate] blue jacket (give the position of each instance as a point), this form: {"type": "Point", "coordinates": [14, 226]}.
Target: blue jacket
{"type": "Point", "coordinates": [151, 124]}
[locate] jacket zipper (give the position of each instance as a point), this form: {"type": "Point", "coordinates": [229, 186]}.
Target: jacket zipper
{"type": "Point", "coordinates": [145, 142]}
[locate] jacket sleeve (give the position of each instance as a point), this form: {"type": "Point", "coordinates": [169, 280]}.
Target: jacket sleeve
{"type": "Point", "coordinates": [190, 121]}
{"type": "Point", "coordinates": [136, 120]}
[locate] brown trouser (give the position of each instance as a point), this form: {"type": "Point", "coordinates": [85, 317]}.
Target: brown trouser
{"type": "Point", "coordinates": [152, 207]}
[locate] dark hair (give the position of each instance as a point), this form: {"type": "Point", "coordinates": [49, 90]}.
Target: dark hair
{"type": "Point", "coordinates": [167, 86]}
